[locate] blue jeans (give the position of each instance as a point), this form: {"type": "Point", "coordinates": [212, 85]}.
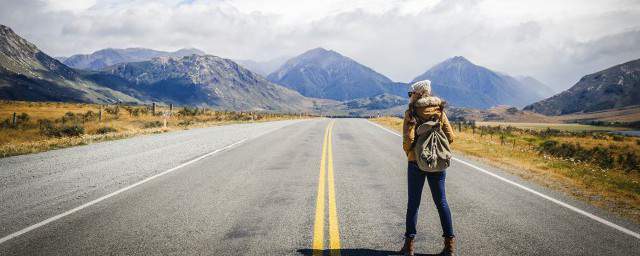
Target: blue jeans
{"type": "Point", "coordinates": [436, 182]}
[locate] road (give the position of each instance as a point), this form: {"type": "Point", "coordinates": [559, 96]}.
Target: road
{"type": "Point", "coordinates": [282, 188]}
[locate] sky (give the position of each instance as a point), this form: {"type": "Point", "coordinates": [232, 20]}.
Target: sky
{"type": "Point", "coordinates": [557, 42]}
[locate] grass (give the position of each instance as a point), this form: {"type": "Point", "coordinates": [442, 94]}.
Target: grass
{"type": "Point", "coordinates": [53, 125]}
{"type": "Point", "coordinates": [518, 152]}
{"type": "Point", "coordinates": [558, 126]}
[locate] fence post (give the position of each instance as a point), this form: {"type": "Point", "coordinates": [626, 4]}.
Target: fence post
{"type": "Point", "coordinates": [170, 108]}
{"type": "Point", "coordinates": [459, 126]}
{"type": "Point", "coordinates": [153, 108]}
{"type": "Point", "coordinates": [14, 119]}
{"type": "Point", "coordinates": [100, 114]}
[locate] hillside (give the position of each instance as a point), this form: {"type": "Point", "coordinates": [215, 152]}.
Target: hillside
{"type": "Point", "coordinates": [326, 74]}
{"type": "Point", "coordinates": [26, 73]}
{"type": "Point", "coordinates": [464, 84]}
{"type": "Point", "coordinates": [615, 87]}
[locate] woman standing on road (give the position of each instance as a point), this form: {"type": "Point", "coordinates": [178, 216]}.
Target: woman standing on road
{"type": "Point", "coordinates": [425, 107]}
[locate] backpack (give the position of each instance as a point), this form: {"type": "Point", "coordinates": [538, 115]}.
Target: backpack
{"type": "Point", "coordinates": [431, 145]}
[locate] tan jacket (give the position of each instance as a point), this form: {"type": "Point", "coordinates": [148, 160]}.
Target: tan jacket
{"type": "Point", "coordinates": [427, 108]}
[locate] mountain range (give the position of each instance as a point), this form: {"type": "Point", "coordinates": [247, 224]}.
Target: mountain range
{"type": "Point", "coordinates": [107, 57]}
{"type": "Point", "coordinates": [614, 87]}
{"type": "Point", "coordinates": [464, 84]}
{"type": "Point", "coordinates": [26, 73]}
{"type": "Point", "coordinates": [207, 80]}
{"type": "Point", "coordinates": [318, 80]}
{"type": "Point", "coordinates": [321, 73]}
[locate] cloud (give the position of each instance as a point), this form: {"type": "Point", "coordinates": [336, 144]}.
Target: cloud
{"type": "Point", "coordinates": [556, 42]}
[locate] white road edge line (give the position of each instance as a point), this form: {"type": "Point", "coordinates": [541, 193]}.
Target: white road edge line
{"type": "Point", "coordinates": [556, 201]}
{"type": "Point", "coordinates": [61, 215]}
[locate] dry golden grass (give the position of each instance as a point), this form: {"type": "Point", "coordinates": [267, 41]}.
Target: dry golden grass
{"type": "Point", "coordinates": [28, 138]}
{"type": "Point", "coordinates": [614, 190]}
{"type": "Point", "coordinates": [557, 126]}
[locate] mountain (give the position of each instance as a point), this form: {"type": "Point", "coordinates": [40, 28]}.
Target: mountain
{"type": "Point", "coordinates": [615, 87]}
{"type": "Point", "coordinates": [107, 57]}
{"type": "Point", "coordinates": [263, 68]}
{"type": "Point", "coordinates": [464, 84]}
{"type": "Point", "coordinates": [207, 80]}
{"type": "Point", "coordinates": [26, 73]}
{"type": "Point", "coordinates": [326, 74]}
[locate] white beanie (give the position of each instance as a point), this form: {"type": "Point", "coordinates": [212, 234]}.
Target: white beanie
{"type": "Point", "coordinates": [422, 87]}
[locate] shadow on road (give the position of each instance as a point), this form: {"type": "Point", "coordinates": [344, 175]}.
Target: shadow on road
{"type": "Point", "coordinates": [355, 252]}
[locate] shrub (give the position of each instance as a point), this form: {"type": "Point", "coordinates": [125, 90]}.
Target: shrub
{"type": "Point", "coordinates": [629, 161]}
{"type": "Point", "coordinates": [105, 130]}
{"type": "Point", "coordinates": [69, 117]}
{"type": "Point", "coordinates": [22, 118]}
{"type": "Point", "coordinates": [5, 123]}
{"type": "Point", "coordinates": [115, 110]}
{"type": "Point", "coordinates": [89, 116]}
{"type": "Point", "coordinates": [185, 123]}
{"type": "Point", "coordinates": [603, 157]}
{"type": "Point", "coordinates": [188, 111]}
{"type": "Point", "coordinates": [72, 130]}
{"type": "Point", "coordinates": [618, 138]}
{"type": "Point", "coordinates": [48, 129]}
{"type": "Point", "coordinates": [152, 124]}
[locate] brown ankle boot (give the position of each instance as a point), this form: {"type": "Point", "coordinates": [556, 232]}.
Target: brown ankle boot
{"type": "Point", "coordinates": [449, 246]}
{"type": "Point", "coordinates": [408, 247]}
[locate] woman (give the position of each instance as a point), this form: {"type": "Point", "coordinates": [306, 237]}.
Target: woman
{"type": "Point", "coordinates": [424, 107]}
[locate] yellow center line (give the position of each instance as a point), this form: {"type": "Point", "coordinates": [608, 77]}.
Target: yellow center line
{"type": "Point", "coordinates": [334, 230]}
{"type": "Point", "coordinates": [326, 169]}
{"type": "Point", "coordinates": [318, 227]}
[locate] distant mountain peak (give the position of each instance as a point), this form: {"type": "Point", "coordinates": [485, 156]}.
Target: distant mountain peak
{"type": "Point", "coordinates": [327, 74]}
{"type": "Point", "coordinates": [459, 59]}
{"type": "Point", "coordinates": [465, 84]}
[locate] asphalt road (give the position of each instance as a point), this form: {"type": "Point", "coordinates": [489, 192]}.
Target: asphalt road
{"type": "Point", "coordinates": [282, 188]}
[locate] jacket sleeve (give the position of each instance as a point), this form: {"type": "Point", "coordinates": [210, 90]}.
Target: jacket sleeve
{"type": "Point", "coordinates": [446, 128]}
{"type": "Point", "coordinates": [407, 133]}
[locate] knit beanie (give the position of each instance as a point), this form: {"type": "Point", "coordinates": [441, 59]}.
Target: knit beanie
{"type": "Point", "coordinates": [422, 87]}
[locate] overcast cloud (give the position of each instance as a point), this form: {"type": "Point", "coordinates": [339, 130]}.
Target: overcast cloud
{"type": "Point", "coordinates": [554, 41]}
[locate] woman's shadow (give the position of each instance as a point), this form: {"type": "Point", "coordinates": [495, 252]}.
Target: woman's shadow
{"type": "Point", "coordinates": [355, 252]}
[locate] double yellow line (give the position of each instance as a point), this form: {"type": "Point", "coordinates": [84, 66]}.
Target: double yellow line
{"type": "Point", "coordinates": [326, 176]}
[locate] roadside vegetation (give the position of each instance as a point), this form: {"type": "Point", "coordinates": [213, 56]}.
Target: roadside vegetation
{"type": "Point", "coordinates": [29, 127]}
{"type": "Point", "coordinates": [586, 162]}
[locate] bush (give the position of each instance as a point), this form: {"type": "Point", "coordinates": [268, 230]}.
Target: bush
{"type": "Point", "coordinates": [629, 161]}
{"type": "Point", "coordinates": [153, 124]}
{"type": "Point", "coordinates": [89, 116]}
{"type": "Point", "coordinates": [72, 130]}
{"type": "Point", "coordinates": [48, 129]}
{"type": "Point", "coordinates": [105, 130]}
{"type": "Point", "coordinates": [188, 111]}
{"type": "Point", "coordinates": [185, 123]}
{"type": "Point", "coordinates": [603, 157]}
{"type": "Point", "coordinates": [22, 119]}
{"type": "Point", "coordinates": [115, 110]}
{"type": "Point", "coordinates": [618, 138]}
